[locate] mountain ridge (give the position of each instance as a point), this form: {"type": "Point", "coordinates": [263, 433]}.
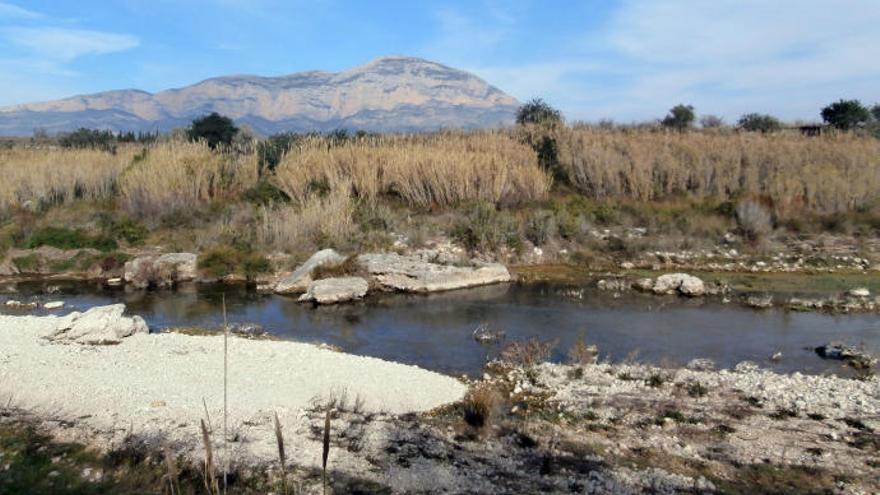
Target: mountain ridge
{"type": "Point", "coordinates": [392, 93]}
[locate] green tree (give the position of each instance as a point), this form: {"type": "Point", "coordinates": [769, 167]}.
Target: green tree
{"type": "Point", "coordinates": [215, 129]}
{"type": "Point", "coordinates": [680, 117]}
{"type": "Point", "coordinates": [875, 111]}
{"type": "Point", "coordinates": [757, 122]}
{"type": "Point", "coordinates": [846, 114]}
{"type": "Point", "coordinates": [537, 111]}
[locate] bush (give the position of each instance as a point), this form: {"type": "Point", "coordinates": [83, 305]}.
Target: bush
{"type": "Point", "coordinates": [62, 238]}
{"type": "Point", "coordinates": [265, 194]}
{"type": "Point", "coordinates": [89, 138]}
{"type": "Point", "coordinates": [485, 228]}
{"type": "Point", "coordinates": [846, 114]}
{"type": "Point", "coordinates": [273, 149]}
{"type": "Point", "coordinates": [255, 264]}
{"type": "Point", "coordinates": [215, 129]}
{"type": "Point", "coordinates": [680, 117]}
{"type": "Point", "coordinates": [127, 229]}
{"type": "Point", "coordinates": [537, 111]}
{"type": "Point", "coordinates": [753, 219]}
{"type": "Point", "coordinates": [541, 227]}
{"type": "Point", "coordinates": [759, 123]}
{"type": "Point", "coordinates": [711, 122]}
{"type": "Point", "coordinates": [219, 261]}
{"type": "Point", "coordinates": [528, 353]}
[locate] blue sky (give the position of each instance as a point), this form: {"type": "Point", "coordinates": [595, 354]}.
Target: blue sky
{"type": "Point", "coordinates": [625, 59]}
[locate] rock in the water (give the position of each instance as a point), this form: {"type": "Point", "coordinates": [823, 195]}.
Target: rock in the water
{"type": "Point", "coordinates": [12, 303]}
{"type": "Point", "coordinates": [336, 290]}
{"type": "Point", "coordinates": [161, 271]}
{"type": "Point", "coordinates": [486, 335]}
{"type": "Point", "coordinates": [113, 282]}
{"type": "Point", "coordinates": [841, 352]}
{"type": "Point", "coordinates": [644, 284]}
{"type": "Point", "coordinates": [761, 301]}
{"type": "Point", "coordinates": [613, 284]}
{"type": "Point", "coordinates": [299, 280]}
{"type": "Point", "coordinates": [54, 305]}
{"type": "Point", "coordinates": [247, 329]}
{"type": "Point", "coordinates": [413, 274]}
{"type": "Point", "coordinates": [682, 283]}
{"type": "Point", "coordinates": [860, 292]}
{"type": "Point", "coordinates": [97, 326]}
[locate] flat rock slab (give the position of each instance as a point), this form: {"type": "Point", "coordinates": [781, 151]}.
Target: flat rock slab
{"type": "Point", "coordinates": [336, 290]}
{"type": "Point", "coordinates": [161, 270]}
{"type": "Point", "coordinates": [413, 274]}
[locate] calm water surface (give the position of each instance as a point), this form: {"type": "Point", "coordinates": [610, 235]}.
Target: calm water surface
{"type": "Point", "coordinates": [435, 331]}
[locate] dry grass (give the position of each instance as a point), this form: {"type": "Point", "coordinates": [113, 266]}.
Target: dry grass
{"type": "Point", "coordinates": [46, 177]}
{"type": "Point", "coordinates": [317, 222]}
{"type": "Point", "coordinates": [426, 171]}
{"type": "Point", "coordinates": [528, 353]}
{"type": "Point", "coordinates": [178, 175]}
{"type": "Point", "coordinates": [831, 174]}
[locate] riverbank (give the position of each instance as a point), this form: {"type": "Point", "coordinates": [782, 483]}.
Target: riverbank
{"type": "Point", "coordinates": [555, 428]}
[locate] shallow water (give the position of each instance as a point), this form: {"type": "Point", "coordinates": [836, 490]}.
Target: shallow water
{"type": "Point", "coordinates": [435, 331]}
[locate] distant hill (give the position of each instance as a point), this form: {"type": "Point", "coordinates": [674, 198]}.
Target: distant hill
{"type": "Point", "coordinates": [387, 94]}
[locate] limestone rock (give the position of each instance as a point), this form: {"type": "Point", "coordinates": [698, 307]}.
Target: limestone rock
{"type": "Point", "coordinates": [413, 274]}
{"type": "Point", "coordinates": [335, 290]}
{"type": "Point", "coordinates": [161, 271]}
{"type": "Point", "coordinates": [299, 280]}
{"type": "Point", "coordinates": [100, 325]}
{"type": "Point", "coordinates": [682, 283]}
{"type": "Point", "coordinates": [54, 305]}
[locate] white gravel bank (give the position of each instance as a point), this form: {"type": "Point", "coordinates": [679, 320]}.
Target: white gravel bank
{"type": "Point", "coordinates": [156, 383]}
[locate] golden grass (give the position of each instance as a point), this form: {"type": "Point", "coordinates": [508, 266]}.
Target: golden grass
{"type": "Point", "coordinates": [178, 175]}
{"type": "Point", "coordinates": [48, 176]}
{"type": "Point", "coordinates": [426, 171]}
{"type": "Point", "coordinates": [823, 175]}
{"type": "Point", "coordinates": [316, 222]}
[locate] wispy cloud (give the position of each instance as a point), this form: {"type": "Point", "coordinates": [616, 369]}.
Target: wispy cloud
{"type": "Point", "coordinates": [67, 44]}
{"type": "Point", "coordinates": [9, 11]}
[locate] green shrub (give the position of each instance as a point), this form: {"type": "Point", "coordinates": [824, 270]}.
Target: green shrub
{"type": "Point", "coordinates": [215, 129]}
{"type": "Point", "coordinates": [220, 261]}
{"type": "Point", "coordinates": [485, 228]}
{"type": "Point", "coordinates": [129, 230]}
{"type": "Point", "coordinates": [680, 117]}
{"type": "Point", "coordinates": [541, 227]}
{"type": "Point", "coordinates": [846, 114]}
{"type": "Point", "coordinates": [62, 238]}
{"type": "Point", "coordinates": [265, 194]}
{"type": "Point", "coordinates": [756, 122]}
{"type": "Point", "coordinates": [27, 263]}
{"type": "Point", "coordinates": [255, 264]}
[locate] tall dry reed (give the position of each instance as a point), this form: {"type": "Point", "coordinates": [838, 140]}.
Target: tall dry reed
{"type": "Point", "coordinates": [436, 170]}
{"type": "Point", "coordinates": [318, 221]}
{"type": "Point", "coordinates": [177, 175]}
{"type": "Point", "coordinates": [48, 176]}
{"type": "Point", "coordinates": [795, 173]}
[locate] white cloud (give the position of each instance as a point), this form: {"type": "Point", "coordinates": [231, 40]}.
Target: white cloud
{"type": "Point", "coordinates": [67, 44]}
{"type": "Point", "coordinates": [9, 11]}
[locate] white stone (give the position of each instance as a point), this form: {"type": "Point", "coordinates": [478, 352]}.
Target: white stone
{"type": "Point", "coordinates": [335, 290]}
{"type": "Point", "coordinates": [412, 274]}
{"type": "Point", "coordinates": [299, 280]}
{"type": "Point", "coordinates": [99, 325]}
{"type": "Point", "coordinates": [860, 292]}
{"type": "Point", "coordinates": [684, 284]}
{"type": "Point", "coordinates": [162, 270]}
{"type": "Point", "coordinates": [54, 305]}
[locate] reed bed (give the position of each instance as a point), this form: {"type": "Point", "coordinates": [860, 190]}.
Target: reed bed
{"type": "Point", "coordinates": [174, 176]}
{"type": "Point", "coordinates": [51, 176]}
{"type": "Point", "coordinates": [795, 174]}
{"type": "Point", "coordinates": [426, 171]}
{"type": "Point", "coordinates": [316, 221]}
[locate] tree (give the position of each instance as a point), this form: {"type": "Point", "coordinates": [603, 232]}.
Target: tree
{"type": "Point", "coordinates": [680, 117]}
{"type": "Point", "coordinates": [215, 129]}
{"type": "Point", "coordinates": [875, 111]}
{"type": "Point", "coordinates": [757, 122]}
{"type": "Point", "coordinates": [537, 111]}
{"type": "Point", "coordinates": [711, 122]}
{"type": "Point", "coordinates": [846, 114]}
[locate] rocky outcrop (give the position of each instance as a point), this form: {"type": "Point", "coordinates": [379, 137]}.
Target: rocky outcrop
{"type": "Point", "coordinates": [414, 274]}
{"type": "Point", "coordinates": [335, 290]}
{"type": "Point", "coordinates": [299, 280]}
{"type": "Point", "coordinates": [161, 270]}
{"type": "Point", "coordinates": [849, 355]}
{"type": "Point", "coordinates": [101, 325]}
{"type": "Point", "coordinates": [759, 301]}
{"type": "Point", "coordinates": [681, 283]}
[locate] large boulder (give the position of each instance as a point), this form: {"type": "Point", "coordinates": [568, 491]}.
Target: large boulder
{"type": "Point", "coordinates": [414, 274]}
{"type": "Point", "coordinates": [100, 325]}
{"type": "Point", "coordinates": [161, 270]}
{"type": "Point", "coordinates": [299, 280]}
{"type": "Point", "coordinates": [335, 290]}
{"type": "Point", "coordinates": [681, 283]}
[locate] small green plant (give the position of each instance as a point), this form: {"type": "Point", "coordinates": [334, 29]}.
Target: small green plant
{"type": "Point", "coordinates": [527, 353]}
{"type": "Point", "coordinates": [656, 380]}
{"type": "Point", "coordinates": [26, 264]}
{"type": "Point", "coordinates": [255, 264]}
{"type": "Point", "coordinates": [265, 194]}
{"type": "Point", "coordinates": [219, 261]}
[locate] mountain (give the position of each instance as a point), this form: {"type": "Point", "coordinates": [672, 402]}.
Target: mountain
{"type": "Point", "coordinates": [387, 94]}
